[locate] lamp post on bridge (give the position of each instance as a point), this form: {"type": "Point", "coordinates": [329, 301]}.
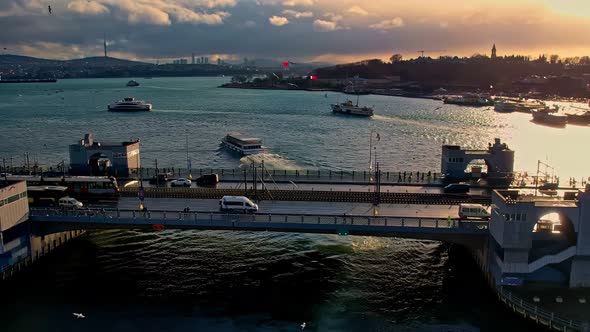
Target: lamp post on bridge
{"type": "Point", "coordinates": [371, 148]}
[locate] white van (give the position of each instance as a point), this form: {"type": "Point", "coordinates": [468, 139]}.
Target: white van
{"type": "Point", "coordinates": [473, 211]}
{"type": "Point", "coordinates": [237, 203]}
{"type": "Point", "coordinates": [69, 202]}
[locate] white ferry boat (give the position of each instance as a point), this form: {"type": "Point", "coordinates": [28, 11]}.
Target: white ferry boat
{"type": "Point", "coordinates": [129, 104]}
{"type": "Point", "coordinates": [245, 146]}
{"type": "Point", "coordinates": [349, 108]}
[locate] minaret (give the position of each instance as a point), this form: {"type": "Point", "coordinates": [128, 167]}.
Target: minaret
{"type": "Point", "coordinates": [105, 45]}
{"type": "Point", "coordinates": [494, 51]}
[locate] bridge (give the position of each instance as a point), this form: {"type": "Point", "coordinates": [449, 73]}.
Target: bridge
{"type": "Point", "coordinates": [470, 233]}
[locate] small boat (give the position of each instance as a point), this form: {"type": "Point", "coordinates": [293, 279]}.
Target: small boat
{"type": "Point", "coordinates": [349, 108]}
{"type": "Point", "coordinates": [469, 100]}
{"type": "Point", "coordinates": [245, 146]}
{"type": "Point", "coordinates": [129, 104]}
{"type": "Point", "coordinates": [132, 83]}
{"type": "Point", "coordinates": [549, 117]}
{"type": "Point", "coordinates": [505, 106]}
{"type": "Point", "coordinates": [579, 118]}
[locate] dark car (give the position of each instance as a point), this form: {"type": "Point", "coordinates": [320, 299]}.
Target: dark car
{"type": "Point", "coordinates": [456, 188]}
{"type": "Point", "coordinates": [207, 180]}
{"type": "Point", "coordinates": [160, 178]}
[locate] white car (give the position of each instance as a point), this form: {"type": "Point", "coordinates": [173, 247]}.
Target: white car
{"type": "Point", "coordinates": [181, 182]}
{"type": "Point", "coordinates": [70, 202]}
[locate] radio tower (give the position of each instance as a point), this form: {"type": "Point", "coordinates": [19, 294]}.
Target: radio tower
{"type": "Point", "coordinates": [105, 45]}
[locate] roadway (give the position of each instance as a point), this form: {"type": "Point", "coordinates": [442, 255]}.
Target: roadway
{"type": "Point", "coordinates": [290, 207]}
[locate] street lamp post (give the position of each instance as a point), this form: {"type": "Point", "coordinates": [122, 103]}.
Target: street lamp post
{"type": "Point", "coordinates": [371, 148]}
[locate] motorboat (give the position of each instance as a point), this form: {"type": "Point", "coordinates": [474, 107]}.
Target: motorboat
{"type": "Point", "coordinates": [245, 146]}
{"type": "Point", "coordinates": [129, 104]}
{"type": "Point", "coordinates": [132, 83]}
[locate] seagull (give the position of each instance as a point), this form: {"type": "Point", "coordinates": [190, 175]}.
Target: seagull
{"type": "Point", "coordinates": [303, 325]}
{"type": "Point", "coordinates": [78, 315]}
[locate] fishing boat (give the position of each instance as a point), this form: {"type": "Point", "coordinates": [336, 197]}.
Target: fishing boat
{"type": "Point", "coordinates": [505, 106]}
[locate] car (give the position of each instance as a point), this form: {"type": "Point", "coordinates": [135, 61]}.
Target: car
{"type": "Point", "coordinates": [70, 203]}
{"type": "Point", "coordinates": [160, 178]}
{"type": "Point", "coordinates": [208, 180]}
{"type": "Point", "coordinates": [456, 188]}
{"type": "Point", "coordinates": [237, 203]}
{"type": "Point", "coordinates": [181, 182]}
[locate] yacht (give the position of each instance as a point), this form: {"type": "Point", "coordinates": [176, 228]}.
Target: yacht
{"type": "Point", "coordinates": [132, 83]}
{"type": "Point", "coordinates": [349, 108]}
{"type": "Point", "coordinates": [245, 146]}
{"type": "Point", "coordinates": [129, 104]}
{"type": "Point", "coordinates": [549, 117]}
{"type": "Point", "coordinates": [469, 100]}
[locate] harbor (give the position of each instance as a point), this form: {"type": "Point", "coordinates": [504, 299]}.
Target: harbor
{"type": "Point", "coordinates": [348, 190]}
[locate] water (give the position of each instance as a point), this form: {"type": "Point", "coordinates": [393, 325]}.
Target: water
{"type": "Point", "coordinates": [296, 126]}
{"type": "Point", "coordinates": [240, 281]}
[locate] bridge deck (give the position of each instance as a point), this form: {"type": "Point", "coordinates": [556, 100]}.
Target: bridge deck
{"type": "Point", "coordinates": [451, 230]}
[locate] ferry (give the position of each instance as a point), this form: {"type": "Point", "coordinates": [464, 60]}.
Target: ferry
{"type": "Point", "coordinates": [245, 146]}
{"type": "Point", "coordinates": [349, 108]}
{"type": "Point", "coordinates": [548, 117]}
{"type": "Point", "coordinates": [129, 104]}
{"type": "Point", "coordinates": [469, 100]}
{"type": "Point", "coordinates": [132, 83]}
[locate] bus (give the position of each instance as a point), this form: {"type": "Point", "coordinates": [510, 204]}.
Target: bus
{"type": "Point", "coordinates": [78, 186]}
{"type": "Point", "coordinates": [45, 196]}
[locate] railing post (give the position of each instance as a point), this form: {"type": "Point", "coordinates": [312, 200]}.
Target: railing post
{"type": "Point", "coordinates": [436, 223]}
{"type": "Point", "coordinates": [419, 222]}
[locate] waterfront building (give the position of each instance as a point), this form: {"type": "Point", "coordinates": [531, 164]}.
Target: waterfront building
{"type": "Point", "coordinates": [96, 158]}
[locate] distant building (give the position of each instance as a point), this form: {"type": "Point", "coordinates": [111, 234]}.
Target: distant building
{"type": "Point", "coordinates": [183, 61]}
{"type": "Point", "coordinates": [493, 52]}
{"type": "Point", "coordinates": [193, 59]}
{"type": "Point", "coordinates": [199, 60]}
{"type": "Point", "coordinates": [206, 59]}
{"type": "Point", "coordinates": [219, 61]}
{"type": "Point", "coordinates": [96, 158]}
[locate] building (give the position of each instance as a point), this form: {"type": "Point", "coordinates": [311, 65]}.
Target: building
{"type": "Point", "coordinates": [219, 62]}
{"type": "Point", "coordinates": [14, 205]}
{"type": "Point", "coordinates": [193, 62]}
{"type": "Point", "coordinates": [498, 161]}
{"type": "Point", "coordinates": [493, 52]}
{"type": "Point", "coordinates": [99, 158]}
{"type": "Point", "coordinates": [540, 240]}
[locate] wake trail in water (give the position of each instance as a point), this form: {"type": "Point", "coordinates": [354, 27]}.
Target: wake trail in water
{"type": "Point", "coordinates": [270, 160]}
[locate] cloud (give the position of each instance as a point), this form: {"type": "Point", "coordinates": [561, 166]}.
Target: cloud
{"type": "Point", "coordinates": [297, 14]}
{"type": "Point", "coordinates": [357, 10]}
{"type": "Point", "coordinates": [217, 3]}
{"type": "Point", "coordinates": [324, 26]}
{"type": "Point", "coordinates": [278, 20]}
{"type": "Point", "coordinates": [294, 3]}
{"type": "Point", "coordinates": [393, 23]}
{"type": "Point", "coordinates": [87, 7]}
{"type": "Point", "coordinates": [333, 17]}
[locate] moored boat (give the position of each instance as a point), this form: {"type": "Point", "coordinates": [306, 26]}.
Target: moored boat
{"type": "Point", "coordinates": [469, 100]}
{"type": "Point", "coordinates": [546, 116]}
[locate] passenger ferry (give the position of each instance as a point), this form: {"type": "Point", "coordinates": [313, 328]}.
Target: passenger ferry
{"type": "Point", "coordinates": [245, 146]}
{"type": "Point", "coordinates": [469, 100]}
{"type": "Point", "coordinates": [129, 104]}
{"type": "Point", "coordinates": [349, 108]}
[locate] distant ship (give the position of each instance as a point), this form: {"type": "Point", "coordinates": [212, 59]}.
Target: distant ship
{"type": "Point", "coordinates": [245, 146]}
{"type": "Point", "coordinates": [349, 108]}
{"type": "Point", "coordinates": [132, 83]}
{"type": "Point", "coordinates": [129, 104]}
{"type": "Point", "coordinates": [31, 80]}
{"type": "Point", "coordinates": [469, 100]}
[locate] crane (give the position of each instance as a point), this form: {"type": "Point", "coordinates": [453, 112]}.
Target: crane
{"type": "Point", "coordinates": [422, 52]}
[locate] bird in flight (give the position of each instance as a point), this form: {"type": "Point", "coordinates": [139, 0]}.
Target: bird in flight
{"type": "Point", "coordinates": [49, 8]}
{"type": "Point", "coordinates": [78, 315]}
{"type": "Point", "coordinates": [303, 325]}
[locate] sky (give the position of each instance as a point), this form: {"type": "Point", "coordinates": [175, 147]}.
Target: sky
{"type": "Point", "coordinates": [333, 31]}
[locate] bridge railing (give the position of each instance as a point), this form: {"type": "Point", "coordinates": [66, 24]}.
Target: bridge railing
{"type": "Point", "coordinates": [221, 218]}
